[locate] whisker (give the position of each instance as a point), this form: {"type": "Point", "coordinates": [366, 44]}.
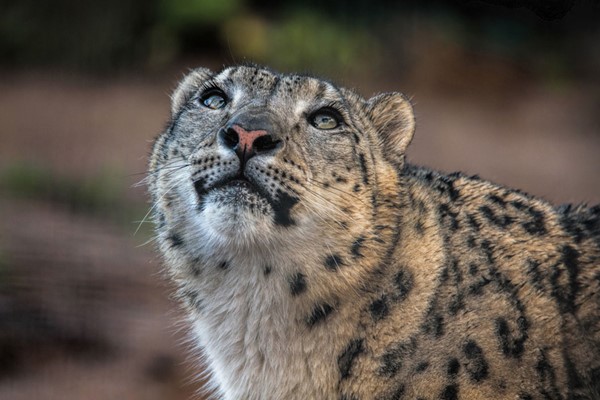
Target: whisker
{"type": "Point", "coordinates": [329, 205]}
{"type": "Point", "coordinates": [155, 205]}
{"type": "Point", "coordinates": [328, 186]}
{"type": "Point", "coordinates": [170, 167]}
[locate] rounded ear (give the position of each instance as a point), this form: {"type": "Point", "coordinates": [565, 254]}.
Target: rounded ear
{"type": "Point", "coordinates": [188, 85]}
{"type": "Point", "coordinates": [394, 120]}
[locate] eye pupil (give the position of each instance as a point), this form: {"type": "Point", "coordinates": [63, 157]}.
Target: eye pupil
{"type": "Point", "coordinates": [323, 120]}
{"type": "Point", "coordinates": [214, 100]}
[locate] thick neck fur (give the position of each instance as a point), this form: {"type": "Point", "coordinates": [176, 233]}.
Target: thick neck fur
{"type": "Point", "coordinates": [282, 312]}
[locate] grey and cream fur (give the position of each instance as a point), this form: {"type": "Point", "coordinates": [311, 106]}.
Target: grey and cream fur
{"type": "Point", "coordinates": [315, 263]}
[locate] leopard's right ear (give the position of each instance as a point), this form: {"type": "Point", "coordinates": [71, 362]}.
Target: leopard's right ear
{"type": "Point", "coordinates": [187, 87]}
{"type": "Point", "coordinates": [394, 120]}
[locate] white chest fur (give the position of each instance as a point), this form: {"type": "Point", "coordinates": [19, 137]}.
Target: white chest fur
{"type": "Point", "coordinates": [256, 341]}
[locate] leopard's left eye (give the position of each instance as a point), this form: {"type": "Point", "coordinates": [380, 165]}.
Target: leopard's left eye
{"type": "Point", "coordinates": [325, 119]}
{"type": "Point", "coordinates": [213, 98]}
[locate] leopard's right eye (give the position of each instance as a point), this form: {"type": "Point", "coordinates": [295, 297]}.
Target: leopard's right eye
{"type": "Point", "coordinates": [326, 119]}
{"type": "Point", "coordinates": [213, 99]}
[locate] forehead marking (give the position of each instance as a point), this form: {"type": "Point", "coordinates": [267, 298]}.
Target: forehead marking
{"type": "Point", "coordinates": [237, 94]}
{"type": "Point", "coordinates": [300, 107]}
{"type": "Point", "coordinates": [321, 88]}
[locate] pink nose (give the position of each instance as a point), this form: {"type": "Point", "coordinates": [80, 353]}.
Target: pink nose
{"type": "Point", "coordinates": [246, 140]}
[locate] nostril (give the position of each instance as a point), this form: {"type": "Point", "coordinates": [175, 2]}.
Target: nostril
{"type": "Point", "coordinates": [265, 143]}
{"type": "Point", "coordinates": [230, 137]}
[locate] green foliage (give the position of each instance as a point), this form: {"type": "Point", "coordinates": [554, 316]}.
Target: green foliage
{"type": "Point", "coordinates": [101, 195]}
{"type": "Point", "coordinates": [304, 40]}
{"type": "Point", "coordinates": [189, 13]}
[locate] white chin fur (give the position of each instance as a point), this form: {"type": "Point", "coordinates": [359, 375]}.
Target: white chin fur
{"type": "Point", "coordinates": [231, 224]}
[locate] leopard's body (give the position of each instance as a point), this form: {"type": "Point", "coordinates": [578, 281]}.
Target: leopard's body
{"type": "Point", "coordinates": [315, 263]}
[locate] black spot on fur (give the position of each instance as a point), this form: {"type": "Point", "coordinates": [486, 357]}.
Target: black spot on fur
{"type": "Point", "coordinates": [298, 284]}
{"type": "Point", "coordinates": [346, 359]}
{"type": "Point", "coordinates": [397, 394]}
{"type": "Point", "coordinates": [536, 225]}
{"type": "Point", "coordinates": [570, 259]}
{"type": "Point", "coordinates": [224, 265]}
{"type": "Point", "coordinates": [473, 269]}
{"type": "Point", "coordinates": [379, 308]}
{"type": "Point", "coordinates": [199, 187]}
{"type": "Point", "coordinates": [192, 299]}
{"type": "Point", "coordinates": [450, 392]}
{"type": "Point", "coordinates": [434, 325]}
{"type": "Point", "coordinates": [455, 271]}
{"type": "Point", "coordinates": [456, 303]}
{"type": "Point", "coordinates": [453, 367]}
{"type": "Point", "coordinates": [267, 270]}
{"type": "Point", "coordinates": [282, 209]}
{"type": "Point", "coordinates": [565, 294]}
{"type": "Point", "coordinates": [363, 169]}
{"type": "Point", "coordinates": [319, 314]}
{"type": "Point", "coordinates": [594, 379]}
{"type": "Point", "coordinates": [547, 377]}
{"type": "Point", "coordinates": [502, 221]}
{"type": "Point", "coordinates": [357, 247]}
{"type": "Point", "coordinates": [195, 267]}
{"type": "Point", "coordinates": [444, 275]}
{"type": "Point", "coordinates": [333, 262]}
{"type": "Point", "coordinates": [511, 347]}
{"type": "Point", "coordinates": [448, 216]}
{"type": "Point", "coordinates": [471, 242]}
{"type": "Point", "coordinates": [477, 366]}
{"type": "Point", "coordinates": [497, 200]}
{"type": "Point", "coordinates": [525, 396]}
{"type": "Point", "coordinates": [422, 366]}
{"type": "Point", "coordinates": [393, 358]}
{"type": "Point", "coordinates": [488, 250]}
{"type": "Point", "coordinates": [419, 227]}
{"type": "Point", "coordinates": [175, 240]}
{"type": "Point", "coordinates": [535, 277]}
{"type": "Point", "coordinates": [445, 184]}
{"type": "Point", "coordinates": [403, 281]}
{"type": "Point", "coordinates": [519, 205]}
{"type": "Point", "coordinates": [162, 220]}
{"type": "Point", "coordinates": [473, 222]}
{"type": "Point", "coordinates": [575, 381]}
{"type": "Point", "coordinates": [356, 188]}
{"type": "Point", "coordinates": [570, 225]}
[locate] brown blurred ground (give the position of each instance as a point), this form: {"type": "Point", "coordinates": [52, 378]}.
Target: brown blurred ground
{"type": "Point", "coordinates": [85, 301]}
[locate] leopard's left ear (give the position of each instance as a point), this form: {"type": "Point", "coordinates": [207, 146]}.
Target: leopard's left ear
{"type": "Point", "coordinates": [188, 85]}
{"type": "Point", "coordinates": [394, 119]}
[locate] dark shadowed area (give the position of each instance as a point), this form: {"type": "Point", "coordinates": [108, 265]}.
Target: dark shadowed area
{"type": "Point", "coordinates": [504, 89]}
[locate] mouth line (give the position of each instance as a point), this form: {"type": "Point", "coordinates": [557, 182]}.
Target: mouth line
{"type": "Point", "coordinates": [239, 181]}
{"type": "Point", "coordinates": [280, 206]}
{"type": "Point", "coordinates": [236, 181]}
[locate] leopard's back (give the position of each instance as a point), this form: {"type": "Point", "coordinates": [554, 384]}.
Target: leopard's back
{"type": "Point", "coordinates": [511, 309]}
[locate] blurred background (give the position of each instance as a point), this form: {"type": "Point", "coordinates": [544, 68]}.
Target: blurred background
{"type": "Point", "coordinates": [504, 88]}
